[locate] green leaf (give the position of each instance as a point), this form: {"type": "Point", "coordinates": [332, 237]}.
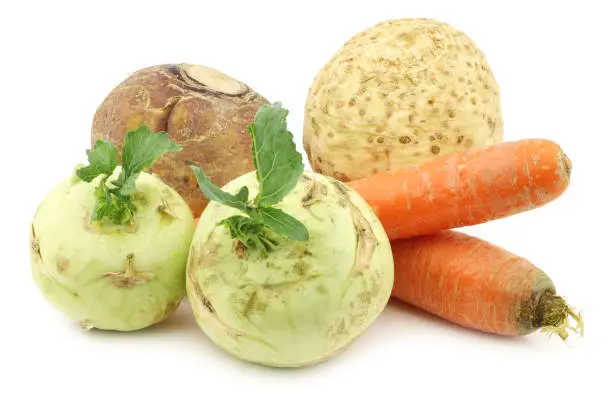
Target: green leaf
{"type": "Point", "coordinates": [142, 147]}
{"type": "Point", "coordinates": [214, 193]}
{"type": "Point", "coordinates": [129, 185]}
{"type": "Point", "coordinates": [252, 234]}
{"type": "Point", "coordinates": [123, 209]}
{"type": "Point", "coordinates": [278, 168]}
{"type": "Point", "coordinates": [103, 159]}
{"type": "Point", "coordinates": [240, 227]}
{"type": "Point", "coordinates": [255, 214]}
{"type": "Point", "coordinates": [103, 201]}
{"type": "Point", "coordinates": [284, 224]}
{"type": "Point", "coordinates": [109, 204]}
{"type": "Point", "coordinates": [278, 163]}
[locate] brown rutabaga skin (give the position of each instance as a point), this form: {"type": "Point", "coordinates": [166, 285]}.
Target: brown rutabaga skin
{"type": "Point", "coordinates": [202, 109]}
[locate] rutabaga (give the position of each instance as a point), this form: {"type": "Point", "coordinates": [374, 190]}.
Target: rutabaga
{"type": "Point", "coordinates": [294, 283]}
{"type": "Point", "coordinates": [109, 245]}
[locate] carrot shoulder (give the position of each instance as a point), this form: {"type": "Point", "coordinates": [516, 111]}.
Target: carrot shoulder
{"type": "Point", "coordinates": [467, 188]}
{"type": "Point", "coordinates": [478, 285]}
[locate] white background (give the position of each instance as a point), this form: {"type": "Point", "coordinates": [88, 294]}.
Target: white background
{"type": "Point", "coordinates": [552, 62]}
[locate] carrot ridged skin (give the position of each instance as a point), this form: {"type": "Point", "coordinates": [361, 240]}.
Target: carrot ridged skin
{"type": "Point", "coordinates": [466, 188]}
{"type": "Point", "coordinates": [469, 282]}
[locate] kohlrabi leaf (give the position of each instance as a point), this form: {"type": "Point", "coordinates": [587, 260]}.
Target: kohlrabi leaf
{"type": "Point", "coordinates": [278, 167]}
{"type": "Point", "coordinates": [119, 209]}
{"type": "Point", "coordinates": [103, 201]}
{"type": "Point", "coordinates": [236, 225]}
{"type": "Point", "coordinates": [128, 186]}
{"type": "Point", "coordinates": [278, 163]}
{"type": "Point", "coordinates": [250, 233]}
{"type": "Point", "coordinates": [141, 148]}
{"type": "Point", "coordinates": [214, 193]}
{"type": "Point", "coordinates": [123, 209]}
{"type": "Point", "coordinates": [103, 159]}
{"type": "Point", "coordinates": [284, 224]}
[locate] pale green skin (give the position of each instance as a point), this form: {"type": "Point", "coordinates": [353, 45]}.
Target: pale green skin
{"type": "Point", "coordinates": [71, 258]}
{"type": "Point", "coordinates": [307, 300]}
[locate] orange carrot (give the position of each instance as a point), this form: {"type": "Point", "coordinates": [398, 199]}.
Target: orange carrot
{"type": "Point", "coordinates": [478, 285]}
{"type": "Point", "coordinates": [467, 188]}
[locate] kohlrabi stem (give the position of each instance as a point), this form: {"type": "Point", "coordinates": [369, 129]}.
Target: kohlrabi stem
{"type": "Point", "coordinates": [164, 208]}
{"type": "Point", "coordinates": [129, 267]}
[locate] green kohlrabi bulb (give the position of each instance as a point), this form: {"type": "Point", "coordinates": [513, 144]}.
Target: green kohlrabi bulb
{"type": "Point", "coordinates": [303, 301]}
{"type": "Point", "coordinates": [107, 275]}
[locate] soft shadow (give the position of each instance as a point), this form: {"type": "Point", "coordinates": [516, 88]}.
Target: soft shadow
{"type": "Point", "coordinates": [296, 371]}
{"type": "Point", "coordinates": [181, 328]}
{"type": "Point", "coordinates": [184, 331]}
{"type": "Point", "coordinates": [182, 320]}
{"type": "Point", "coordinates": [421, 321]}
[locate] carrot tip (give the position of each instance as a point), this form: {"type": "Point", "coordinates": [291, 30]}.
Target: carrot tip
{"type": "Point", "coordinates": [556, 314]}
{"type": "Point", "coordinates": [565, 164]}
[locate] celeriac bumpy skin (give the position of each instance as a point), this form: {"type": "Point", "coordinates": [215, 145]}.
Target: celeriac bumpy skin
{"type": "Point", "coordinates": [107, 276]}
{"type": "Point", "coordinates": [305, 301]}
{"type": "Point", "coordinates": [398, 93]}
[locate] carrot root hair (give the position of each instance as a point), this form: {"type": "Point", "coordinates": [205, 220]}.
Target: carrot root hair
{"type": "Point", "coordinates": [557, 315]}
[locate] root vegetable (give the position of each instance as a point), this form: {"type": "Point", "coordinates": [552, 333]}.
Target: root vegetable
{"type": "Point", "coordinates": [399, 93]}
{"type": "Point", "coordinates": [478, 285]}
{"type": "Point", "coordinates": [287, 268]}
{"type": "Point", "coordinates": [467, 188]}
{"type": "Point", "coordinates": [204, 110]}
{"type": "Point", "coordinates": [109, 245]}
